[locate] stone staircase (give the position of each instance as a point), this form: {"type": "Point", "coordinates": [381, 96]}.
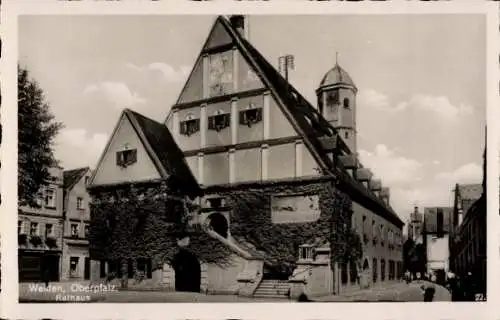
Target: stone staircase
{"type": "Point", "coordinates": [273, 289]}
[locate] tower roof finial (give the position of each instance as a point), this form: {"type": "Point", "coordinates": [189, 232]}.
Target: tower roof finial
{"type": "Point", "coordinates": [336, 57]}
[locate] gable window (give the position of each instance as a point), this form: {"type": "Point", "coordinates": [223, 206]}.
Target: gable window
{"type": "Point", "coordinates": [190, 125]}
{"type": "Point", "coordinates": [250, 115]}
{"type": "Point", "coordinates": [220, 120]}
{"type": "Point", "coordinates": [34, 229]}
{"type": "Point", "coordinates": [74, 230]}
{"type": "Point", "coordinates": [126, 157]}
{"type": "Point", "coordinates": [50, 198]}
{"type": "Point", "coordinates": [79, 203]}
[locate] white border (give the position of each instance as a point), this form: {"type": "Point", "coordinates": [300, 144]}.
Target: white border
{"type": "Point", "coordinates": [10, 307]}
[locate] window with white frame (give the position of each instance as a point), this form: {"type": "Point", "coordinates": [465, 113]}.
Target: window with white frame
{"type": "Point", "coordinates": [34, 229]}
{"type": "Point", "coordinates": [50, 198]}
{"type": "Point", "coordinates": [74, 230]}
{"type": "Point", "coordinates": [79, 203]}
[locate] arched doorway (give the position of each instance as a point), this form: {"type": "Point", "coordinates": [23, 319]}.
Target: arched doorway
{"type": "Point", "coordinates": [219, 224]}
{"type": "Point", "coordinates": [187, 271]}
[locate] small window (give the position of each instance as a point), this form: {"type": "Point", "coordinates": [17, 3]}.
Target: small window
{"type": "Point", "coordinates": [306, 253]}
{"type": "Point", "coordinates": [34, 229]}
{"type": "Point", "coordinates": [126, 158]}
{"type": "Point", "coordinates": [79, 203]}
{"type": "Point", "coordinates": [49, 230]}
{"type": "Point", "coordinates": [86, 231]}
{"type": "Point", "coordinates": [346, 103]}
{"type": "Point", "coordinates": [219, 121]}
{"type": "Point", "coordinates": [190, 125]}
{"type": "Point", "coordinates": [50, 198]}
{"type": "Point", "coordinates": [73, 266]}
{"type": "Point", "coordinates": [333, 98]}
{"type": "Point", "coordinates": [251, 115]}
{"type": "Point", "coordinates": [346, 135]}
{"type": "Point", "coordinates": [74, 230]}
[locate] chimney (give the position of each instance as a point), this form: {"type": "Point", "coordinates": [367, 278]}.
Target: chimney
{"type": "Point", "coordinates": [240, 23]}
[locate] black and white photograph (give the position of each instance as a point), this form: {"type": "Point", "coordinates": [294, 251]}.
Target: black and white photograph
{"type": "Point", "coordinates": [252, 158]}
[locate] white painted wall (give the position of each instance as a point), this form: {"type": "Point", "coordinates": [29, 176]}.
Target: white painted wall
{"type": "Point", "coordinates": [438, 253]}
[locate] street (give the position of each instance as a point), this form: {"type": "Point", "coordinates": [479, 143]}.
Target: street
{"type": "Point", "coordinates": [397, 292]}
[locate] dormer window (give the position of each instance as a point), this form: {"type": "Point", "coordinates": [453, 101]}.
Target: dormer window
{"type": "Point", "coordinates": [219, 121]}
{"type": "Point", "coordinates": [346, 103]}
{"type": "Point", "coordinates": [190, 125]}
{"type": "Point", "coordinates": [126, 157]}
{"type": "Point", "coordinates": [250, 115]}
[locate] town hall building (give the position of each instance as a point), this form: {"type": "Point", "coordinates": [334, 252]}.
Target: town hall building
{"type": "Point", "coordinates": [271, 179]}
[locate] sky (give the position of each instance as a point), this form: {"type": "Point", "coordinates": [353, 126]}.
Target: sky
{"type": "Point", "coordinates": [421, 79]}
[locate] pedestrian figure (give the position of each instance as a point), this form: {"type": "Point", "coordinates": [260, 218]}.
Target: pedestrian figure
{"type": "Point", "coordinates": [303, 298]}
{"type": "Point", "coordinates": [469, 287]}
{"type": "Point", "coordinates": [408, 277]}
{"type": "Point", "coordinates": [454, 287]}
{"type": "Point", "coordinates": [428, 292]}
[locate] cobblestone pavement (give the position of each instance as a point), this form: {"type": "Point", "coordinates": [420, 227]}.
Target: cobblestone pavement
{"type": "Point", "coordinates": [398, 292]}
{"type": "Point", "coordinates": [68, 292]}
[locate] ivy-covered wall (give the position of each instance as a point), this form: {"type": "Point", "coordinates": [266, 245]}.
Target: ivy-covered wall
{"type": "Point", "coordinates": [131, 222]}
{"type": "Point", "coordinates": [251, 220]}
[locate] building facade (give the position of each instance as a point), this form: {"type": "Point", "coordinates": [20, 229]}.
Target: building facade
{"type": "Point", "coordinates": [415, 226]}
{"type": "Point", "coordinates": [76, 261]}
{"type": "Point", "coordinates": [468, 238]}
{"type": "Point", "coordinates": [243, 129]}
{"type": "Point", "coordinates": [40, 232]}
{"type": "Point", "coordinates": [436, 232]}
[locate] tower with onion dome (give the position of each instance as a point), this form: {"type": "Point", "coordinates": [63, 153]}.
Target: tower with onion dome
{"type": "Point", "coordinates": [337, 103]}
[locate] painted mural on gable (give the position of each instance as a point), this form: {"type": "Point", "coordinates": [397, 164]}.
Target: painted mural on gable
{"type": "Point", "coordinates": [221, 74]}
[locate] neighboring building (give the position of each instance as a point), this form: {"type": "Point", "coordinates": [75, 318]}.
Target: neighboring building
{"type": "Point", "coordinates": [243, 128]}
{"type": "Point", "coordinates": [468, 236]}
{"type": "Point", "coordinates": [468, 243]}
{"type": "Point", "coordinates": [76, 261]}
{"type": "Point", "coordinates": [415, 226]}
{"type": "Point", "coordinates": [436, 231]}
{"type": "Point", "coordinates": [40, 232]}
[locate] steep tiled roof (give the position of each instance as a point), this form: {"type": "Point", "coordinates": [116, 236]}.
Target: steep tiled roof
{"type": "Point", "coordinates": [336, 76]}
{"type": "Point", "coordinates": [71, 177]}
{"type": "Point", "coordinates": [310, 125]}
{"type": "Point", "coordinates": [162, 148]}
{"type": "Point", "coordinates": [470, 191]}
